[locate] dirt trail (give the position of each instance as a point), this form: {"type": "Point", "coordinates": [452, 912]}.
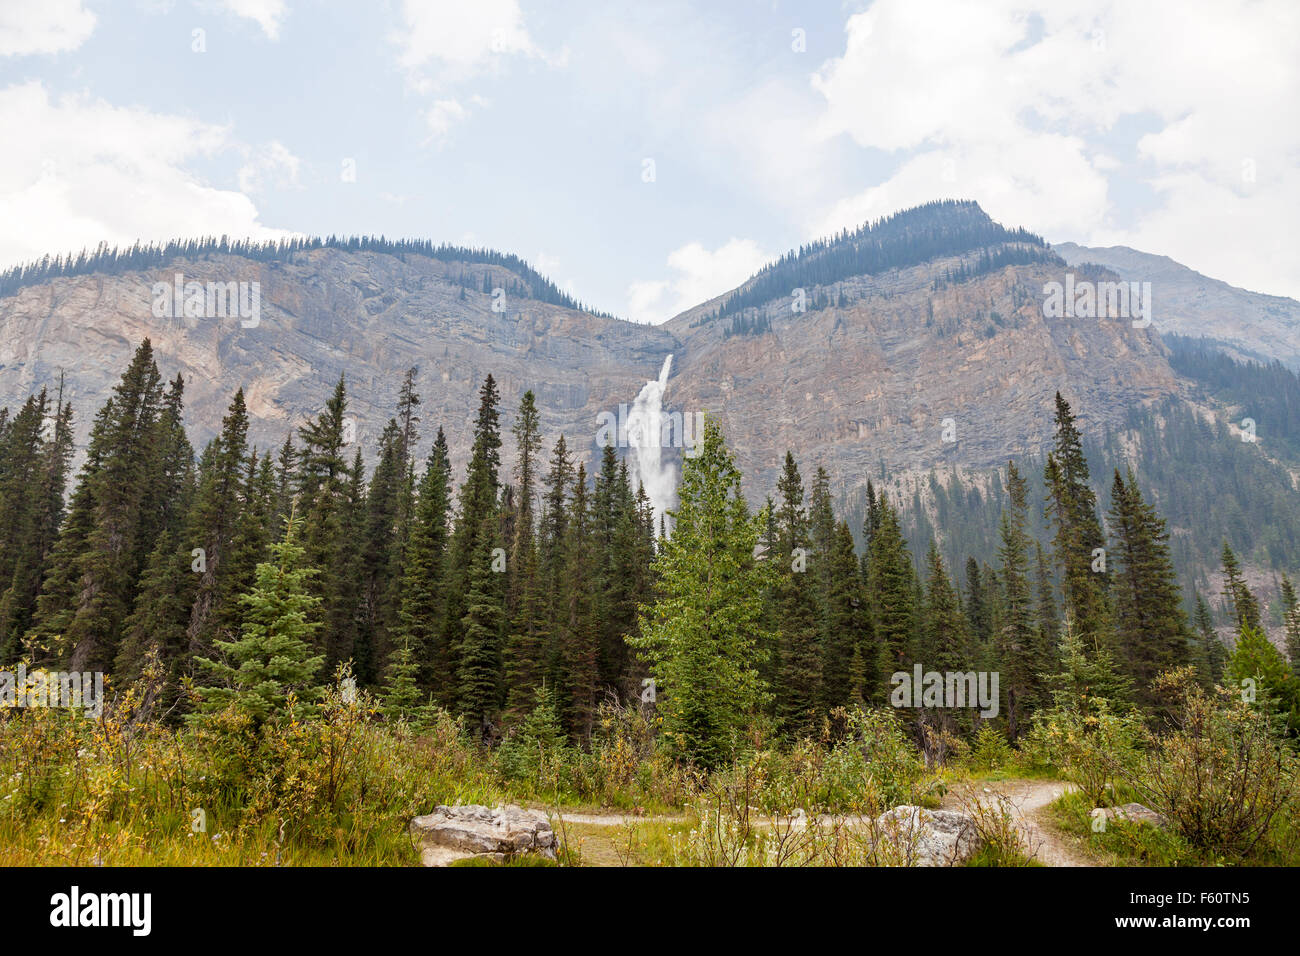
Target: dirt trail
{"type": "Point", "coordinates": [1025, 798]}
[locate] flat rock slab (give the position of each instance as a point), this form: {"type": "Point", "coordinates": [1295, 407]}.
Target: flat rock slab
{"type": "Point", "coordinates": [501, 833]}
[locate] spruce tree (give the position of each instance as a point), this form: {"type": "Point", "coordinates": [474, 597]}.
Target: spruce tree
{"type": "Point", "coordinates": [1291, 622]}
{"type": "Point", "coordinates": [423, 599]}
{"type": "Point", "coordinates": [1149, 622]}
{"type": "Point", "coordinates": [475, 589]}
{"type": "Point", "coordinates": [848, 653]}
{"type": "Point", "coordinates": [1020, 643]}
{"type": "Point", "coordinates": [799, 629]}
{"type": "Point", "coordinates": [701, 636]}
{"type": "Point", "coordinates": [526, 645]}
{"type": "Point", "coordinates": [578, 634]}
{"type": "Point", "coordinates": [1244, 605]}
{"type": "Point", "coordinates": [1212, 654]}
{"type": "Point", "coordinates": [891, 587]}
{"type": "Point", "coordinates": [1072, 512]}
{"type": "Point", "coordinates": [274, 655]}
{"type": "Point", "coordinates": [36, 459]}
{"type": "Point", "coordinates": [95, 569]}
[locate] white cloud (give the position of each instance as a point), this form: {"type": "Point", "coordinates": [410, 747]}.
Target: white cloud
{"type": "Point", "coordinates": [443, 115]}
{"type": "Point", "coordinates": [85, 171]}
{"type": "Point", "coordinates": [698, 275]}
{"type": "Point", "coordinates": [267, 14]}
{"type": "Point", "coordinates": [458, 39]}
{"type": "Point", "coordinates": [272, 166]}
{"type": "Point", "coordinates": [1016, 104]}
{"type": "Point", "coordinates": [444, 43]}
{"type": "Point", "coordinates": [46, 26]}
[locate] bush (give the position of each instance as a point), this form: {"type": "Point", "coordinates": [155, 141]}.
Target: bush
{"type": "Point", "coordinates": [1222, 774]}
{"type": "Point", "coordinates": [1090, 748]}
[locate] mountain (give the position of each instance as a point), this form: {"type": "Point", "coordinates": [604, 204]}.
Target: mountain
{"type": "Point", "coordinates": [917, 351]}
{"type": "Point", "coordinates": [367, 314]}
{"type": "Point", "coordinates": [1247, 324]}
{"type": "Point", "coordinates": [950, 328]}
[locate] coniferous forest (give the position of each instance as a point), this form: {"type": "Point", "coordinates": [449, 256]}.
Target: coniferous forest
{"type": "Point", "coordinates": [311, 651]}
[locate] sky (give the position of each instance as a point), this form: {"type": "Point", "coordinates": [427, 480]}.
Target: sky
{"type": "Point", "coordinates": [648, 156]}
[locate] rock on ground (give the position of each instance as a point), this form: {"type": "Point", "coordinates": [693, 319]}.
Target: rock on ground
{"type": "Point", "coordinates": [929, 837]}
{"type": "Point", "coordinates": [1131, 813]}
{"type": "Point", "coordinates": [453, 833]}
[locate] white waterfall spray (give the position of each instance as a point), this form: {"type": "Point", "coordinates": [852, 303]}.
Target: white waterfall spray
{"type": "Point", "coordinates": [646, 445]}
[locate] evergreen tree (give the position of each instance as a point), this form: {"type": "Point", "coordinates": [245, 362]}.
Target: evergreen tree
{"type": "Point", "coordinates": [1244, 604]}
{"type": "Point", "coordinates": [273, 656]}
{"type": "Point", "coordinates": [1276, 688]}
{"type": "Point", "coordinates": [578, 634]}
{"type": "Point", "coordinates": [848, 653]}
{"type": "Point", "coordinates": [212, 526]}
{"type": "Point", "coordinates": [799, 630]}
{"type": "Point", "coordinates": [891, 587]}
{"type": "Point", "coordinates": [35, 468]}
{"type": "Point", "coordinates": [1149, 621]}
{"type": "Point", "coordinates": [701, 636]}
{"type": "Point", "coordinates": [1291, 621]}
{"type": "Point", "coordinates": [1213, 655]}
{"type": "Point", "coordinates": [1020, 642]}
{"type": "Point", "coordinates": [325, 499]}
{"type": "Point", "coordinates": [1072, 512]}
{"type": "Point", "coordinates": [95, 569]}
{"type": "Point", "coordinates": [423, 599]}
{"type": "Point", "coordinates": [475, 587]}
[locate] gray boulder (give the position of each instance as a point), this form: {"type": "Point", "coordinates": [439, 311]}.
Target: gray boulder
{"type": "Point", "coordinates": [500, 834]}
{"type": "Point", "coordinates": [920, 837]}
{"type": "Point", "coordinates": [1132, 813]}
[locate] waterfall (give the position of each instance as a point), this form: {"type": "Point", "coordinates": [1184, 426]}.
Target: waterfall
{"type": "Point", "coordinates": [645, 437]}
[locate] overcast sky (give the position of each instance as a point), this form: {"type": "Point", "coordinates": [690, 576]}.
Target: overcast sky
{"type": "Point", "coordinates": [648, 156]}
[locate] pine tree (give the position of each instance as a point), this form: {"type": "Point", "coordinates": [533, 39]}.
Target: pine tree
{"type": "Point", "coordinates": [381, 547]}
{"type": "Point", "coordinates": [1256, 659]}
{"type": "Point", "coordinates": [475, 591]}
{"type": "Point", "coordinates": [701, 637]}
{"type": "Point", "coordinates": [1244, 604]}
{"type": "Point", "coordinates": [402, 692]}
{"type": "Point", "coordinates": [526, 645]}
{"type": "Point", "coordinates": [325, 499]}
{"type": "Point", "coordinates": [847, 649]}
{"type": "Point", "coordinates": [273, 656]}
{"type": "Point", "coordinates": [1213, 655]}
{"type": "Point", "coordinates": [1291, 621]}
{"type": "Point", "coordinates": [36, 461]}
{"type": "Point", "coordinates": [977, 607]}
{"type": "Point", "coordinates": [1049, 625]}
{"type": "Point", "coordinates": [212, 525]}
{"type": "Point", "coordinates": [798, 627]}
{"type": "Point", "coordinates": [1149, 621]}
{"type": "Point", "coordinates": [94, 572]}
{"type": "Point", "coordinates": [891, 587]}
{"type": "Point", "coordinates": [423, 599]}
{"type": "Point", "coordinates": [578, 635]}
{"type": "Point", "coordinates": [1072, 511]}
{"type": "Point", "coordinates": [1019, 641]}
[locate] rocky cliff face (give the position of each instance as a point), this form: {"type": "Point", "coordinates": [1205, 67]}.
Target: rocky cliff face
{"type": "Point", "coordinates": [326, 313]}
{"type": "Point", "coordinates": [912, 377]}
{"type": "Point", "coordinates": [1253, 326]}
{"type": "Point", "coordinates": [903, 368]}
